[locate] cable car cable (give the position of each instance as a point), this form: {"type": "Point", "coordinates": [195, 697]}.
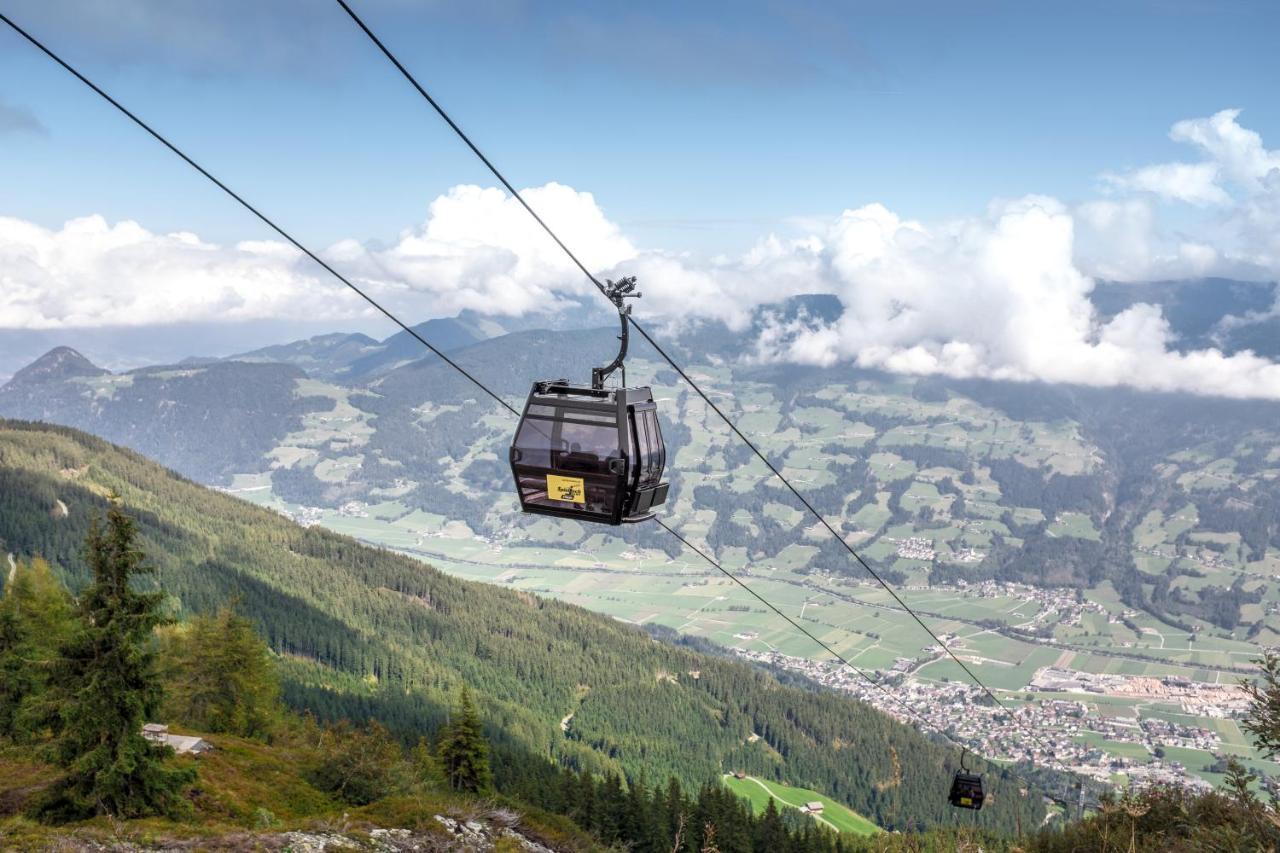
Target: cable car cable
{"type": "Point", "coordinates": [249, 207]}
{"type": "Point", "coordinates": [463, 136]}
{"type": "Point", "coordinates": [662, 352]}
{"type": "Point", "coordinates": [405, 327]}
{"type": "Point", "coordinates": [803, 630]}
{"type": "Point", "coordinates": [970, 782]}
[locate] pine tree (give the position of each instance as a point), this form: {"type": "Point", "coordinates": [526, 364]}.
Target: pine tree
{"type": "Point", "coordinates": [422, 763]}
{"type": "Point", "coordinates": [611, 805]}
{"type": "Point", "coordinates": [221, 677]}
{"type": "Point", "coordinates": [35, 619]}
{"type": "Point", "coordinates": [1263, 719]}
{"type": "Point", "coordinates": [16, 677]}
{"type": "Point", "coordinates": [106, 687]}
{"type": "Point", "coordinates": [463, 751]}
{"type": "Point", "coordinates": [771, 833]}
{"type": "Point", "coordinates": [1238, 783]}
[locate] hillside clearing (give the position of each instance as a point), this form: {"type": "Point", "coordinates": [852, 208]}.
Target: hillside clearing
{"type": "Point", "coordinates": [834, 815]}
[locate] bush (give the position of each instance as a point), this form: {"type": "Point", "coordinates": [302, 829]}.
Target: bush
{"type": "Point", "coordinates": [359, 765]}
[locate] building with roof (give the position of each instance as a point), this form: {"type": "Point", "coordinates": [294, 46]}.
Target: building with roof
{"type": "Point", "coordinates": [158, 733]}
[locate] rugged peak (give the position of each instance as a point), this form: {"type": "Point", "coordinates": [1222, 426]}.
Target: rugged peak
{"type": "Point", "coordinates": [822, 307]}
{"type": "Point", "coordinates": [57, 363]}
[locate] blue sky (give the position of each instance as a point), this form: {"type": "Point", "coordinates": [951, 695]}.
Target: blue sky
{"type": "Point", "coordinates": [959, 175]}
{"type": "Point", "coordinates": [696, 126]}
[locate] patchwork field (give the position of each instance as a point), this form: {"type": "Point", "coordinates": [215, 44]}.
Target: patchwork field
{"type": "Point", "coordinates": [985, 523]}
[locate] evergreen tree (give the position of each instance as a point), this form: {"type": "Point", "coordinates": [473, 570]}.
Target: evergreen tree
{"type": "Point", "coordinates": [35, 619]}
{"type": "Point", "coordinates": [771, 834]}
{"type": "Point", "coordinates": [16, 679]}
{"type": "Point", "coordinates": [220, 677]}
{"type": "Point", "coordinates": [422, 763]}
{"type": "Point", "coordinates": [610, 807]}
{"type": "Point", "coordinates": [106, 687]}
{"type": "Point", "coordinates": [463, 751]}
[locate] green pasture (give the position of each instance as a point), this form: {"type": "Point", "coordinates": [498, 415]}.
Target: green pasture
{"type": "Point", "coordinates": [834, 815]}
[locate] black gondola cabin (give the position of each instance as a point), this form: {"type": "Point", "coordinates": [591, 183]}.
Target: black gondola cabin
{"type": "Point", "coordinates": [966, 791]}
{"type": "Point", "coordinates": [592, 454]}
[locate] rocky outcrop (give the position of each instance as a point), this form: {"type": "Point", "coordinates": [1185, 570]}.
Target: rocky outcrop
{"type": "Point", "coordinates": [453, 835]}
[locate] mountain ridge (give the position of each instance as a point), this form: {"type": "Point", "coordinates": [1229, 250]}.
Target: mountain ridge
{"type": "Point", "coordinates": [61, 362]}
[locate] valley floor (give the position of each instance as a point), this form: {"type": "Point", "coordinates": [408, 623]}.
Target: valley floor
{"type": "Point", "coordinates": [1115, 704]}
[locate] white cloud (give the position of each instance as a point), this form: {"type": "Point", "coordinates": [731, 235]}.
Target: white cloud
{"type": "Point", "coordinates": [1238, 182]}
{"type": "Point", "coordinates": [997, 297]}
{"type": "Point", "coordinates": [1003, 294]}
{"type": "Point", "coordinates": [1120, 240]}
{"type": "Point", "coordinates": [477, 249]}
{"type": "Point", "coordinates": [480, 249]}
{"type": "Point", "coordinates": [1195, 183]}
{"type": "Point", "coordinates": [1233, 155]}
{"type": "Point", "coordinates": [91, 273]}
{"type": "Point", "coordinates": [1238, 151]}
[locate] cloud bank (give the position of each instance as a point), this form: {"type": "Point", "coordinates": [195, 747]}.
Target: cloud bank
{"type": "Point", "coordinates": [996, 297]}
{"type": "Point", "coordinates": [477, 249]}
{"type": "Point", "coordinates": [1235, 185]}
{"type": "Point", "coordinates": [1003, 294]}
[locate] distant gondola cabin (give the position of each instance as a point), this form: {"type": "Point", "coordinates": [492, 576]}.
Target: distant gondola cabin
{"type": "Point", "coordinates": [966, 791]}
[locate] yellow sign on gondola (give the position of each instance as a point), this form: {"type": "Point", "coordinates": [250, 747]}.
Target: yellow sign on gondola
{"type": "Point", "coordinates": [566, 489]}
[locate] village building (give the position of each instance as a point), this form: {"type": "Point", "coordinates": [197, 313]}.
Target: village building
{"type": "Point", "coordinates": [181, 744]}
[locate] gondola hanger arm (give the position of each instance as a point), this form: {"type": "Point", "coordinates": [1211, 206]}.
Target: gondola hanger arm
{"type": "Point", "coordinates": [616, 292]}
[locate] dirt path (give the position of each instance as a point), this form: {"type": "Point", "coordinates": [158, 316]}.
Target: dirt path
{"type": "Point", "coordinates": [13, 570]}
{"type": "Point", "coordinates": [770, 792]}
{"type": "Point", "coordinates": [692, 617]}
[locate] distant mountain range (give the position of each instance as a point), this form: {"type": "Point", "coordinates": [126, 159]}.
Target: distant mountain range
{"type": "Point", "coordinates": [1233, 315]}
{"type": "Point", "coordinates": [206, 420]}
{"type": "Point", "coordinates": [1212, 312]}
{"type": "Point", "coordinates": [341, 418]}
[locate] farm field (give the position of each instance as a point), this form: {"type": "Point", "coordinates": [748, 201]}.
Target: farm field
{"type": "Point", "coordinates": [834, 815]}
{"type": "Point", "coordinates": [928, 489]}
{"type": "Point", "coordinates": [857, 617]}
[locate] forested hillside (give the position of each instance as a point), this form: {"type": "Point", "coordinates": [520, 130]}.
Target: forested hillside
{"type": "Point", "coordinates": [165, 412]}
{"type": "Point", "coordinates": [369, 633]}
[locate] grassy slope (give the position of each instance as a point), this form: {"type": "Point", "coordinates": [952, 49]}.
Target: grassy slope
{"type": "Point", "coordinates": [243, 785]}
{"type": "Point", "coordinates": [759, 791]}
